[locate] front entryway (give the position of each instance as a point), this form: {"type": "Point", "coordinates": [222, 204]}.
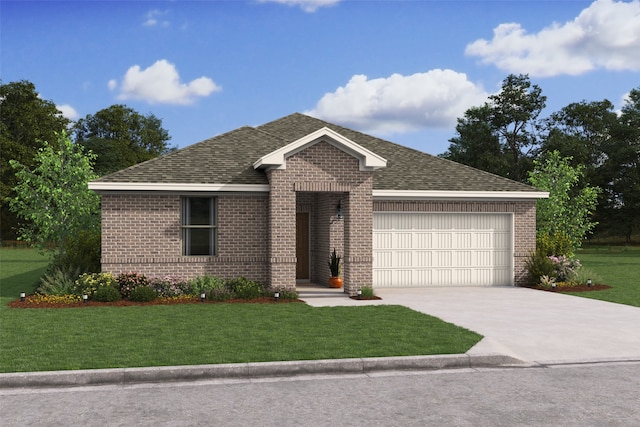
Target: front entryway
{"type": "Point", "coordinates": [302, 246]}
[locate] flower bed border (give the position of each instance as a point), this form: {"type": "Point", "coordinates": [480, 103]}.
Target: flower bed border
{"type": "Point", "coordinates": [158, 301]}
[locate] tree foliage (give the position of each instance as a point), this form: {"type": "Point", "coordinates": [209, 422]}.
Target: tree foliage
{"type": "Point", "coordinates": [620, 208]}
{"type": "Point", "coordinates": [53, 196]}
{"type": "Point", "coordinates": [25, 121]}
{"type": "Point", "coordinates": [582, 131]}
{"type": "Point", "coordinates": [505, 126]}
{"type": "Point", "coordinates": [120, 137]}
{"type": "Point", "coordinates": [566, 211]}
{"type": "Point", "coordinates": [476, 143]}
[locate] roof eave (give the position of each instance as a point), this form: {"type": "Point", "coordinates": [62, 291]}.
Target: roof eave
{"type": "Point", "coordinates": [457, 195]}
{"type": "Point", "coordinates": [99, 186]}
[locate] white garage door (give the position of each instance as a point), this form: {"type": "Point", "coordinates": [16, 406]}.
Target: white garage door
{"type": "Point", "coordinates": [442, 249]}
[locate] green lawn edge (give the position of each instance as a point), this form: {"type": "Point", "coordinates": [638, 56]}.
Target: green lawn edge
{"type": "Point", "coordinates": [193, 334]}
{"type": "Point", "coordinates": [196, 334]}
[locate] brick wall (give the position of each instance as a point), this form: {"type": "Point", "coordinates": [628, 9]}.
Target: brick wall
{"type": "Point", "coordinates": [142, 233]}
{"type": "Point", "coordinates": [524, 214]}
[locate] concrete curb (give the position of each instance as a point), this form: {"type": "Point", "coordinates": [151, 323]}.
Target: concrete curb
{"type": "Point", "coordinates": [129, 376]}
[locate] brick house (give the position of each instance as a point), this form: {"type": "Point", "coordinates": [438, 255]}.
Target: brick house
{"type": "Point", "coordinates": [271, 202]}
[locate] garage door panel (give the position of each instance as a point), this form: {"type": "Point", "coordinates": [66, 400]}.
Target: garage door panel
{"type": "Point", "coordinates": [404, 259]}
{"type": "Point", "coordinates": [433, 249]}
{"type": "Point", "coordinates": [403, 241]}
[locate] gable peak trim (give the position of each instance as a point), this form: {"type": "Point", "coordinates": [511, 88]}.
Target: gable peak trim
{"type": "Point", "coordinates": [368, 160]}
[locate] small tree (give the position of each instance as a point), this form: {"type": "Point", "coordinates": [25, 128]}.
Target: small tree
{"type": "Point", "coordinates": [567, 211]}
{"type": "Point", "coordinates": [53, 197]}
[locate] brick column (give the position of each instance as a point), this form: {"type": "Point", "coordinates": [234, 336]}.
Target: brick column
{"type": "Point", "coordinates": [358, 237]}
{"type": "Point", "coordinates": [282, 232]}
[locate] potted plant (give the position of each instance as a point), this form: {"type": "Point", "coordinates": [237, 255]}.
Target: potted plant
{"type": "Point", "coordinates": [335, 281]}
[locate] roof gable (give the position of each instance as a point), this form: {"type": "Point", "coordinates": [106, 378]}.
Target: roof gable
{"type": "Point", "coordinates": [368, 160]}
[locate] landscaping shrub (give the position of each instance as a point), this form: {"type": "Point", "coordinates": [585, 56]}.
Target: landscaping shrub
{"type": "Point", "coordinates": [584, 274]}
{"type": "Point", "coordinates": [538, 264]}
{"type": "Point", "coordinates": [204, 284]}
{"type": "Point", "coordinates": [553, 258]}
{"type": "Point", "coordinates": [219, 294]}
{"type": "Point", "coordinates": [106, 294]}
{"type": "Point", "coordinates": [89, 283]}
{"type": "Point", "coordinates": [82, 252]}
{"type": "Point", "coordinates": [142, 294]}
{"type": "Point", "coordinates": [558, 244]}
{"type": "Point", "coordinates": [169, 286]}
{"type": "Point", "coordinates": [244, 288]}
{"type": "Point", "coordinates": [564, 267]}
{"type": "Point", "coordinates": [367, 292]}
{"type": "Point", "coordinates": [127, 282]}
{"type": "Point", "coordinates": [59, 281]}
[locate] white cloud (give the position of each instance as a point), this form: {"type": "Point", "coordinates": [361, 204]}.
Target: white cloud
{"type": "Point", "coordinates": [160, 84]}
{"type": "Point", "coordinates": [398, 103]}
{"type": "Point", "coordinates": [154, 17]}
{"type": "Point", "coordinates": [605, 35]}
{"type": "Point", "coordinates": [306, 5]}
{"type": "Point", "coordinates": [68, 111]}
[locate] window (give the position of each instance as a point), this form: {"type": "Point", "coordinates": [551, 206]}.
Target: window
{"type": "Point", "coordinates": [199, 227]}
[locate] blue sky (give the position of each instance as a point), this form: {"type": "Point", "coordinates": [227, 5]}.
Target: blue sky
{"type": "Point", "coordinates": [401, 70]}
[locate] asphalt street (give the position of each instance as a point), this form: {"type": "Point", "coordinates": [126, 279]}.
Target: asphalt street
{"type": "Point", "coordinates": [604, 394]}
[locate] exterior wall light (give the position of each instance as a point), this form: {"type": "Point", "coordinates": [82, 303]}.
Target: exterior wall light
{"type": "Point", "coordinates": [339, 211]}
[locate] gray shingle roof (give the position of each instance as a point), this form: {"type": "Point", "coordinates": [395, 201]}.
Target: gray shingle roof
{"type": "Point", "coordinates": [229, 158]}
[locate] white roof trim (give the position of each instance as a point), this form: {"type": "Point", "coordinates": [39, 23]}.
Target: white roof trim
{"type": "Point", "coordinates": [467, 195]}
{"type": "Point", "coordinates": [157, 186]}
{"type": "Point", "coordinates": [277, 159]}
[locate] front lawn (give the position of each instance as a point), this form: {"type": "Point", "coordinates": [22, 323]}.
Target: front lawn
{"type": "Point", "coordinates": [619, 267]}
{"type": "Point", "coordinates": [110, 337]}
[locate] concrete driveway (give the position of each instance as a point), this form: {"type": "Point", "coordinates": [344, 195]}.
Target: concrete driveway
{"type": "Point", "coordinates": [533, 326]}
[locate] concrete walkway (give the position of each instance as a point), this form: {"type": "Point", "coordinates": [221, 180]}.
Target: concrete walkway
{"type": "Point", "coordinates": [530, 325]}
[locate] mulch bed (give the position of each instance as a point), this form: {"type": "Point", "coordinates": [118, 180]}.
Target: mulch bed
{"type": "Point", "coordinates": [158, 301]}
{"type": "Point", "coordinates": [364, 298]}
{"type": "Point", "coordinates": [577, 288]}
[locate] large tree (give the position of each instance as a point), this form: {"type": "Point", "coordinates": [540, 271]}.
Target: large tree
{"type": "Point", "coordinates": [477, 144]}
{"type": "Point", "coordinates": [120, 137]}
{"type": "Point", "coordinates": [510, 118]}
{"type": "Point", "coordinates": [53, 195]}
{"type": "Point", "coordinates": [620, 208]}
{"type": "Point", "coordinates": [566, 211]}
{"type": "Point", "coordinates": [582, 131]}
{"type": "Point", "coordinates": [26, 120]}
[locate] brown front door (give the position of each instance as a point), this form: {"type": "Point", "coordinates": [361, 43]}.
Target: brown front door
{"type": "Point", "coordinates": [302, 245]}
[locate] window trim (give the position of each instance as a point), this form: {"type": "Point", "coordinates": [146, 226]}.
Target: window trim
{"type": "Point", "coordinates": [212, 226]}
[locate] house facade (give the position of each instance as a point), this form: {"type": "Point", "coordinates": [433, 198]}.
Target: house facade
{"type": "Point", "coordinates": [270, 203]}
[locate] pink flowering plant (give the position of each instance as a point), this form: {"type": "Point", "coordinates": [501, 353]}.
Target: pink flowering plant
{"type": "Point", "coordinates": [169, 286]}
{"type": "Point", "coordinates": [565, 267]}
{"type": "Point", "coordinates": [127, 282]}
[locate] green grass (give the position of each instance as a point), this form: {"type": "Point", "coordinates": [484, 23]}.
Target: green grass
{"type": "Point", "coordinates": [619, 267]}
{"type": "Point", "coordinates": [20, 270]}
{"type": "Point", "coordinates": [110, 337]}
